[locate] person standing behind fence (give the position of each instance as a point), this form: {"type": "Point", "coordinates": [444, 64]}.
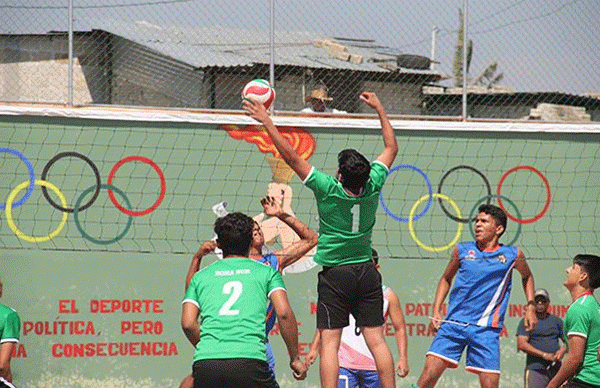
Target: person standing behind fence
{"type": "Point", "coordinates": [541, 344]}
{"type": "Point", "coordinates": [10, 329]}
{"type": "Point", "coordinates": [318, 99]}
{"type": "Point", "coordinates": [581, 366]}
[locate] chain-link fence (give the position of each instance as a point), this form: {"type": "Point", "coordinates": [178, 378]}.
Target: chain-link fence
{"type": "Point", "coordinates": [508, 59]}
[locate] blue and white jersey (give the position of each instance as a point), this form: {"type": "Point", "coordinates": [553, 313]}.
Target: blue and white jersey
{"type": "Point", "coordinates": [482, 286]}
{"type": "Point", "coordinates": [270, 259]}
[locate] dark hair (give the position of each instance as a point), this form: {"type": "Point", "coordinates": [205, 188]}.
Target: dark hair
{"type": "Point", "coordinates": [375, 256]}
{"type": "Point", "coordinates": [354, 169]}
{"type": "Point", "coordinates": [234, 234]}
{"type": "Point", "coordinates": [496, 213]}
{"type": "Point", "coordinates": [591, 265]}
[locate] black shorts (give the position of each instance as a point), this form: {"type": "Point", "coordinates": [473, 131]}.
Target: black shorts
{"type": "Point", "coordinates": [5, 384]}
{"type": "Point", "coordinates": [349, 289]}
{"type": "Point", "coordinates": [233, 373]}
{"type": "Point", "coordinates": [576, 383]}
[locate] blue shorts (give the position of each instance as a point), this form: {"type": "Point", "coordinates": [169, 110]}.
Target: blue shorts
{"type": "Point", "coordinates": [482, 343]}
{"type": "Point", "coordinates": [355, 378]}
{"type": "Point", "coordinates": [271, 359]}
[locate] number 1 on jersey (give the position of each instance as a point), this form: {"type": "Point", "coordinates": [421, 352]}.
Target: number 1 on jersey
{"type": "Point", "coordinates": [355, 210]}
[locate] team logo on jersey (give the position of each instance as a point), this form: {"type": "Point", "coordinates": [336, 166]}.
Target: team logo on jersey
{"type": "Point", "coordinates": [470, 255]}
{"type": "Point", "coordinates": [502, 259]}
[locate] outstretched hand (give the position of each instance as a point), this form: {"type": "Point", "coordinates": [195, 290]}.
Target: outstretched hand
{"type": "Point", "coordinates": [271, 206]}
{"type": "Point", "coordinates": [371, 100]}
{"type": "Point", "coordinates": [256, 110]}
{"type": "Point", "coordinates": [207, 247]}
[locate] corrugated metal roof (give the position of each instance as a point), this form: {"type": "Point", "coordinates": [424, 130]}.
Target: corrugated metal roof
{"type": "Point", "coordinates": [224, 47]}
{"type": "Point", "coordinates": [203, 47]}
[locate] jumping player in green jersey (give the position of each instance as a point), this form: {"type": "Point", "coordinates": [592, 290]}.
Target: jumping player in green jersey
{"type": "Point", "coordinates": [581, 366]}
{"type": "Point", "coordinates": [10, 328]}
{"type": "Point", "coordinates": [230, 297]}
{"type": "Point", "coordinates": [347, 203]}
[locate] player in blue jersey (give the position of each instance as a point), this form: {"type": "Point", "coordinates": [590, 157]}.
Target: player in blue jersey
{"type": "Point", "coordinates": [279, 260]}
{"type": "Point", "coordinates": [347, 204]}
{"type": "Point", "coordinates": [477, 303]}
{"type": "Point", "coordinates": [10, 327]}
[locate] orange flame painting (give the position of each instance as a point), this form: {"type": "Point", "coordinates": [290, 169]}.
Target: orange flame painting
{"type": "Point", "coordinates": [301, 140]}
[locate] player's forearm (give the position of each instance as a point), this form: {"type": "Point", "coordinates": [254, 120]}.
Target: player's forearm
{"type": "Point", "coordinates": [387, 131]}
{"type": "Point", "coordinates": [6, 350]}
{"type": "Point", "coordinates": [568, 368]}
{"type": "Point", "coordinates": [191, 329]}
{"type": "Point", "coordinates": [529, 287]}
{"type": "Point", "coordinates": [5, 372]}
{"type": "Point", "coordinates": [299, 227]}
{"type": "Point", "coordinates": [193, 335]}
{"type": "Point", "coordinates": [402, 343]}
{"type": "Point", "coordinates": [285, 149]}
{"type": "Point", "coordinates": [289, 332]}
{"type": "Point", "coordinates": [529, 349]}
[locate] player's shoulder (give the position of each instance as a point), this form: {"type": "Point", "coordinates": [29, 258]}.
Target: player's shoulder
{"type": "Point", "coordinates": [583, 305]}
{"type": "Point", "coordinates": [270, 259]}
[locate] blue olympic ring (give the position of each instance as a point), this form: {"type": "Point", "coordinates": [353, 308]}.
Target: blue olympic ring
{"type": "Point", "coordinates": [31, 177]}
{"type": "Point", "coordinates": [429, 191]}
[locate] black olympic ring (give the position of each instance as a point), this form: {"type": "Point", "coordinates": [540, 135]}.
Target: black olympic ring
{"type": "Point", "coordinates": [476, 171]}
{"type": "Point", "coordinates": [85, 159]}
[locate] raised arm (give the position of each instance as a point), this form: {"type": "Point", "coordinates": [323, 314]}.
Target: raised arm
{"type": "Point", "coordinates": [399, 324]}
{"type": "Point", "coordinates": [206, 247]}
{"type": "Point", "coordinates": [529, 288]}
{"type": "Point", "coordinates": [390, 145]}
{"type": "Point", "coordinates": [308, 237]}
{"type": "Point", "coordinates": [289, 331]}
{"type": "Point", "coordinates": [258, 112]}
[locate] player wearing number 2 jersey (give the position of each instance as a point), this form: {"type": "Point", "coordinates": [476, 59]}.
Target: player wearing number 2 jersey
{"type": "Point", "coordinates": [230, 297]}
{"type": "Point", "coordinates": [349, 281]}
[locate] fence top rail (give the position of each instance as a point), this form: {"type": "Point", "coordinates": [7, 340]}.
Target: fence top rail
{"type": "Point", "coordinates": [363, 121]}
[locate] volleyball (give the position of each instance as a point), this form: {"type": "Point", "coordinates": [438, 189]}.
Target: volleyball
{"type": "Point", "coordinates": [259, 90]}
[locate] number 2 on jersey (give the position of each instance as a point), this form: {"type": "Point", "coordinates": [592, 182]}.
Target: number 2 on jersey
{"type": "Point", "coordinates": [234, 289]}
{"type": "Point", "coordinates": [355, 210]}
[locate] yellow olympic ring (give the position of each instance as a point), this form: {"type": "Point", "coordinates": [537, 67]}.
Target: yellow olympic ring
{"type": "Point", "coordinates": [411, 226]}
{"type": "Point", "coordinates": [11, 221]}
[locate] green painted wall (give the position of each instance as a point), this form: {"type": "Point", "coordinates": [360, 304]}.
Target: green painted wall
{"type": "Point", "coordinates": [69, 277]}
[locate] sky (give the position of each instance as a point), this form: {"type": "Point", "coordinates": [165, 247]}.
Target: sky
{"type": "Point", "coordinates": [540, 46]}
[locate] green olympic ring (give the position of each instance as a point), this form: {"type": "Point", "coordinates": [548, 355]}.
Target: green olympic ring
{"type": "Point", "coordinates": [76, 215]}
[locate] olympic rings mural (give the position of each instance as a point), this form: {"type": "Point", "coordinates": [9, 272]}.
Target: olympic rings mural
{"type": "Point", "coordinates": [514, 214]}
{"type": "Point", "coordinates": [79, 206]}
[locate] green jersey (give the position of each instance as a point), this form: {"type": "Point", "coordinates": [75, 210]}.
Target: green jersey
{"type": "Point", "coordinates": [232, 296]}
{"type": "Point", "coordinates": [345, 222]}
{"type": "Point", "coordinates": [10, 325]}
{"type": "Point", "coordinates": [583, 319]}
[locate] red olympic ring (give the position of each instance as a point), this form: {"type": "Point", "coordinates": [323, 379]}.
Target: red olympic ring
{"type": "Point", "coordinates": [163, 185]}
{"type": "Point", "coordinates": [548, 197]}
